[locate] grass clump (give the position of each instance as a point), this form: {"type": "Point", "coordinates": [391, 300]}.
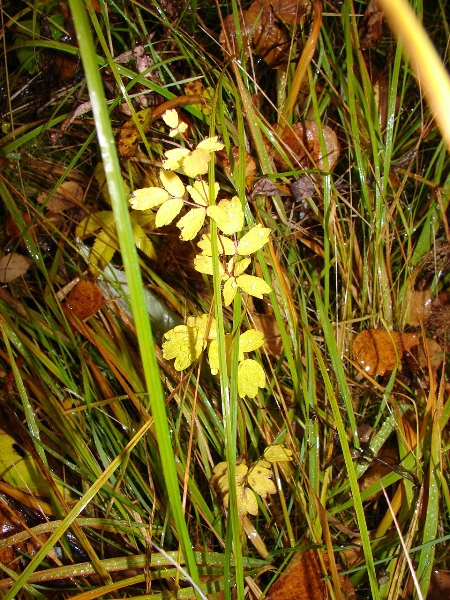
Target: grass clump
{"type": "Point", "coordinates": [192, 411]}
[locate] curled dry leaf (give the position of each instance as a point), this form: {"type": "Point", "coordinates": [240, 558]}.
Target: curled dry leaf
{"type": "Point", "coordinates": [12, 266]}
{"type": "Point", "coordinates": [303, 150]}
{"type": "Point", "coordinates": [419, 307]}
{"type": "Point", "coordinates": [85, 299]}
{"type": "Point", "coordinates": [130, 137]}
{"type": "Point", "coordinates": [267, 187]}
{"type": "Point", "coordinates": [304, 579]}
{"type": "Point", "coordinates": [289, 12]}
{"type": "Point", "coordinates": [250, 165]}
{"type": "Point", "coordinates": [68, 195]}
{"type": "Point", "coordinates": [377, 350]}
{"type": "Point", "coordinates": [430, 348]}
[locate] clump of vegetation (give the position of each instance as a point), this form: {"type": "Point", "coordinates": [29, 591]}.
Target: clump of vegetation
{"type": "Point", "coordinates": [224, 313]}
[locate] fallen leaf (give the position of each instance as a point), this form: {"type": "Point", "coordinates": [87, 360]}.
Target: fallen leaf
{"type": "Point", "coordinates": [303, 149]}
{"type": "Point", "coordinates": [68, 195]}
{"type": "Point", "coordinates": [130, 137]}
{"type": "Point", "coordinates": [372, 25]}
{"type": "Point", "coordinates": [289, 12]}
{"type": "Point", "coordinates": [250, 165]}
{"type": "Point", "coordinates": [12, 266]}
{"type": "Point", "coordinates": [430, 348]}
{"type": "Point", "coordinates": [267, 323]}
{"type": "Point", "coordinates": [419, 307]}
{"type": "Point", "coordinates": [85, 299]}
{"type": "Point", "coordinates": [303, 188]}
{"type": "Point", "coordinates": [377, 470]}
{"type": "Point", "coordinates": [378, 351]}
{"type": "Point", "coordinates": [267, 187]}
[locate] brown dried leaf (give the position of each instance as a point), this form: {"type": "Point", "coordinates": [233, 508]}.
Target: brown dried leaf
{"type": "Point", "coordinates": [431, 348]}
{"type": "Point", "coordinates": [130, 137]}
{"type": "Point", "coordinates": [267, 187]}
{"type": "Point", "coordinates": [303, 147]}
{"type": "Point", "coordinates": [376, 350]}
{"type": "Point", "coordinates": [303, 579]}
{"type": "Point", "coordinates": [419, 307]}
{"type": "Point", "coordinates": [250, 165]}
{"type": "Point", "coordinates": [68, 195]}
{"type": "Point", "coordinates": [12, 266]}
{"type": "Point", "coordinates": [377, 470]}
{"type": "Point", "coordinates": [85, 299]}
{"type": "Point", "coordinates": [372, 25]}
{"type": "Point", "coordinates": [303, 188]}
{"type": "Point", "coordinates": [273, 343]}
{"type": "Point", "coordinates": [289, 12]}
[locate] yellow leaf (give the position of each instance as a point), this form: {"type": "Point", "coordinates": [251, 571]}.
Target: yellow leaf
{"type": "Point", "coordinates": [229, 291]}
{"type": "Point", "coordinates": [253, 240]}
{"type": "Point", "coordinates": [241, 472]}
{"type": "Point", "coordinates": [175, 158]}
{"type": "Point", "coordinates": [213, 353]}
{"type": "Point", "coordinates": [211, 144]}
{"type": "Point", "coordinates": [204, 264]}
{"type": "Point", "coordinates": [199, 192]}
{"type": "Point", "coordinates": [237, 268]}
{"type": "Point", "coordinates": [220, 468]}
{"type": "Point", "coordinates": [246, 501]}
{"type": "Point", "coordinates": [228, 215]}
{"type": "Point", "coordinates": [172, 183]}
{"type": "Point", "coordinates": [226, 246]}
{"type": "Point", "coordinates": [182, 127]}
{"type": "Point", "coordinates": [251, 340]}
{"type": "Point", "coordinates": [146, 198]}
{"type": "Point", "coordinates": [277, 453]}
{"type": "Point", "coordinates": [255, 286]}
{"type": "Point", "coordinates": [185, 344]}
{"type": "Point", "coordinates": [250, 377]}
{"type": "Point", "coordinates": [191, 223]}
{"type": "Point", "coordinates": [170, 118]}
{"type": "Point", "coordinates": [205, 324]}
{"type": "Point", "coordinates": [168, 211]}
{"type": "Point", "coordinates": [196, 163]}
{"type": "Point", "coordinates": [259, 479]}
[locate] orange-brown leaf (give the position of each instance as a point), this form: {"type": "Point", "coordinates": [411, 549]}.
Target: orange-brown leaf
{"type": "Point", "coordinates": [378, 351]}
{"type": "Point", "coordinates": [85, 299]}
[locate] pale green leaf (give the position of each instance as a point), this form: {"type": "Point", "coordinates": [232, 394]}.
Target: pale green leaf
{"type": "Point", "coordinates": [191, 223]}
{"type": "Point", "coordinates": [226, 246]}
{"type": "Point", "coordinates": [199, 192]}
{"type": "Point", "coordinates": [211, 144]}
{"type": "Point", "coordinates": [168, 211]}
{"type": "Point", "coordinates": [251, 340]}
{"type": "Point", "coordinates": [185, 344]}
{"type": "Point", "coordinates": [141, 240]}
{"type": "Point", "coordinates": [278, 453]}
{"type": "Point", "coordinates": [250, 377]}
{"type": "Point", "coordinates": [175, 158]}
{"type": "Point", "coordinates": [255, 286]}
{"type": "Point", "coordinates": [237, 268]}
{"type": "Point", "coordinates": [228, 215]}
{"type": "Point", "coordinates": [104, 218]}
{"type": "Point", "coordinates": [229, 291]}
{"type": "Point", "coordinates": [146, 198]}
{"type": "Point", "coordinates": [253, 240]}
{"type": "Point", "coordinates": [196, 163]}
{"type": "Point", "coordinates": [172, 183]}
{"type": "Point", "coordinates": [170, 118]}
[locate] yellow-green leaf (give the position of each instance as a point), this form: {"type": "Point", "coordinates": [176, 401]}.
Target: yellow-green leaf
{"type": "Point", "coordinates": [211, 144]}
{"type": "Point", "coordinates": [103, 249]}
{"type": "Point", "coordinates": [191, 223]}
{"type": "Point", "coordinates": [246, 501]}
{"type": "Point", "coordinates": [175, 158]}
{"type": "Point", "coordinates": [104, 218]}
{"type": "Point", "coordinates": [204, 264]}
{"type": "Point", "coordinates": [141, 240]}
{"type": "Point", "coordinates": [277, 453]}
{"type": "Point", "coordinates": [100, 176]}
{"type": "Point", "coordinates": [250, 377]}
{"type": "Point", "coordinates": [229, 291]}
{"type": "Point", "coordinates": [226, 246]}
{"type": "Point", "coordinates": [213, 353]}
{"type": "Point", "coordinates": [172, 183]}
{"type": "Point", "coordinates": [146, 198]}
{"type": "Point", "coordinates": [228, 215]}
{"type": "Point", "coordinates": [199, 192]}
{"type": "Point", "coordinates": [255, 286]}
{"type": "Point", "coordinates": [196, 163]}
{"type": "Point", "coordinates": [241, 472]}
{"type": "Point", "coordinates": [185, 344]}
{"type": "Point", "coordinates": [253, 240]}
{"type": "Point", "coordinates": [251, 340]}
{"type": "Point", "coordinates": [168, 211]}
{"type": "Point", "coordinates": [260, 480]}
{"type": "Point", "coordinates": [237, 268]}
{"type": "Point", "coordinates": [205, 324]}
